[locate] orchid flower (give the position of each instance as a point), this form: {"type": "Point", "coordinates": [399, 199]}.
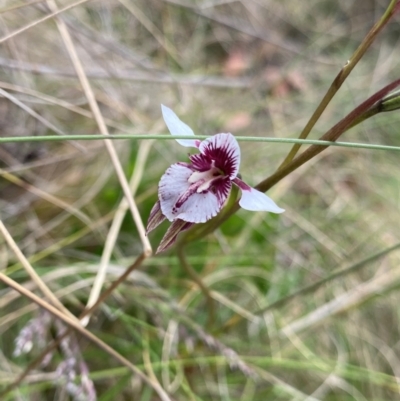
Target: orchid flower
{"type": "Point", "coordinates": [190, 193]}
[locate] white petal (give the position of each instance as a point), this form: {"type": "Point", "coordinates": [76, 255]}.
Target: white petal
{"type": "Point", "coordinates": [178, 127]}
{"type": "Point", "coordinates": [172, 185]}
{"type": "Point", "coordinates": [225, 150]}
{"type": "Point", "coordinates": [255, 200]}
{"type": "Point", "coordinates": [199, 208]}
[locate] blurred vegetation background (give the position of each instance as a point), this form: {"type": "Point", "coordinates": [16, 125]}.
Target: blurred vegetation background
{"type": "Point", "coordinates": [253, 67]}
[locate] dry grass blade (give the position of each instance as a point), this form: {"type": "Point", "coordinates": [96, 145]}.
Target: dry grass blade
{"type": "Point", "coordinates": [55, 247]}
{"type": "Point", "coordinates": [102, 127]}
{"type": "Point", "coordinates": [148, 24]}
{"type": "Point", "coordinates": [46, 196]}
{"type": "Point", "coordinates": [32, 273]}
{"type": "Point", "coordinates": [344, 302]}
{"type": "Point", "coordinates": [134, 76]}
{"type": "Point", "coordinates": [59, 102]}
{"type": "Point", "coordinates": [341, 272]}
{"type": "Point", "coordinates": [37, 116]}
{"type": "Point", "coordinates": [112, 235]}
{"type": "Point", "coordinates": [40, 20]}
{"type": "Point", "coordinates": [22, 5]}
{"type": "Point", "coordinates": [316, 233]}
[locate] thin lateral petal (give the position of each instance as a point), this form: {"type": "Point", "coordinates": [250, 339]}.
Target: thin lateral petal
{"type": "Point", "coordinates": [178, 127]}
{"type": "Point", "coordinates": [255, 200]}
{"type": "Point", "coordinates": [224, 150]}
{"type": "Point", "coordinates": [172, 185]}
{"type": "Point", "coordinates": [156, 218]}
{"type": "Point", "coordinates": [172, 233]}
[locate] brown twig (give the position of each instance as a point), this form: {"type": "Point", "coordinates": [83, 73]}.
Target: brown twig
{"type": "Point", "coordinates": [341, 77]}
{"type": "Point", "coordinates": [332, 135]}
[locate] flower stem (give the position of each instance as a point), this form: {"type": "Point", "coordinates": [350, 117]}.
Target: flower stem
{"type": "Point", "coordinates": [197, 279]}
{"type": "Point", "coordinates": [368, 108]}
{"type": "Point", "coordinates": [341, 77]}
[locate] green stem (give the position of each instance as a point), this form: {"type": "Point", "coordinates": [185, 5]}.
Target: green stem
{"type": "Point", "coordinates": [378, 109]}
{"type": "Point", "coordinates": [197, 279]}
{"type": "Point", "coordinates": [332, 135]}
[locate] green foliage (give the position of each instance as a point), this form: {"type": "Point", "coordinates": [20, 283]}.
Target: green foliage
{"type": "Point", "coordinates": [115, 390]}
